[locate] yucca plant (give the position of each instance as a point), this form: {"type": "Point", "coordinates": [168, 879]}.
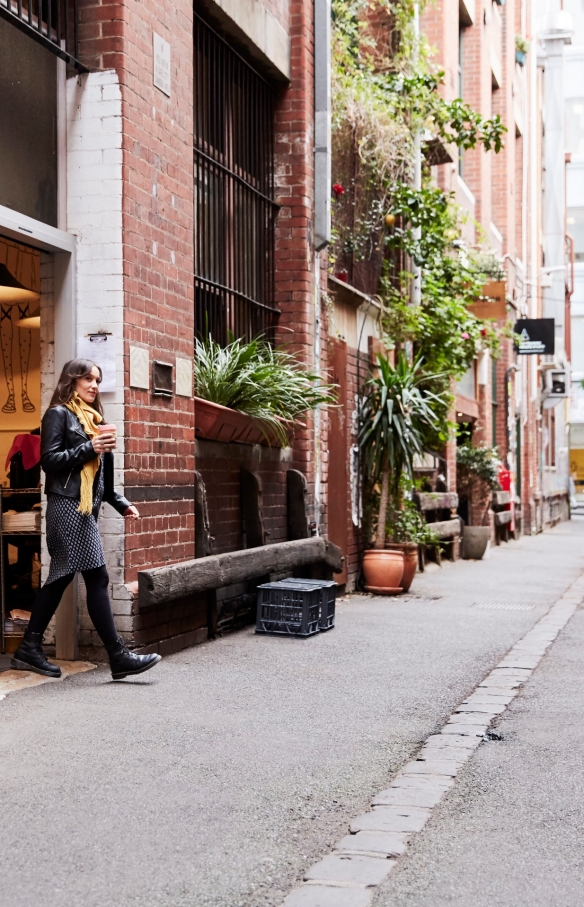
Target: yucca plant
{"type": "Point", "coordinates": [396, 416]}
{"type": "Point", "coordinates": [260, 380]}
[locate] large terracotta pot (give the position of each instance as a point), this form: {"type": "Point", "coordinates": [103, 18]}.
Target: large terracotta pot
{"type": "Point", "coordinates": [383, 570]}
{"type": "Point", "coordinates": [410, 550]}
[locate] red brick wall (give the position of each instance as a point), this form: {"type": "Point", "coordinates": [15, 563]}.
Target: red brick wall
{"type": "Point", "coordinates": [295, 279]}
{"type": "Point", "coordinates": [158, 259]}
{"type": "Point", "coordinates": [220, 466]}
{"type": "Point", "coordinates": [505, 187]}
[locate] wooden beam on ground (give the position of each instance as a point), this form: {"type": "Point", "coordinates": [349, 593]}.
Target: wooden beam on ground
{"type": "Point", "coordinates": [162, 584]}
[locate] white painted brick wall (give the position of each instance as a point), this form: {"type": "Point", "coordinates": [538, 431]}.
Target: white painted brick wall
{"type": "Point", "coordinates": [47, 383]}
{"type": "Point", "coordinates": [94, 214]}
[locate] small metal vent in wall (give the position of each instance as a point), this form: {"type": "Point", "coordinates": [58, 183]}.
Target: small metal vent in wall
{"type": "Point", "coordinates": [162, 378]}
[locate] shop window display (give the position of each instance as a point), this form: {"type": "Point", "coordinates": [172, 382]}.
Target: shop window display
{"type": "Point", "coordinates": [20, 391]}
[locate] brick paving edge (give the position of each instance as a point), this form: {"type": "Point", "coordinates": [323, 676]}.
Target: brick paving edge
{"type": "Point", "coordinates": [349, 875]}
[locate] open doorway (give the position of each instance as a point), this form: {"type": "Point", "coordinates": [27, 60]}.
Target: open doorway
{"type": "Point", "coordinates": [20, 414]}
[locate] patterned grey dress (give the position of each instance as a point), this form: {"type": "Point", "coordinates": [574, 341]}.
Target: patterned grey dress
{"type": "Point", "coordinates": [73, 538]}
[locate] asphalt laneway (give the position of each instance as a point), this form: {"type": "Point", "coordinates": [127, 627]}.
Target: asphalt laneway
{"type": "Point", "coordinates": [220, 777]}
{"type": "Point", "coordinates": [511, 831]}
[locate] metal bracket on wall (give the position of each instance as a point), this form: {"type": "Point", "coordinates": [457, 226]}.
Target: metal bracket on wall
{"type": "Point", "coordinates": [162, 379]}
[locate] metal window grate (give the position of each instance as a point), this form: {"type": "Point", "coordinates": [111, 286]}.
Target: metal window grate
{"type": "Point", "coordinates": [51, 23]}
{"type": "Point", "coordinates": [234, 187]}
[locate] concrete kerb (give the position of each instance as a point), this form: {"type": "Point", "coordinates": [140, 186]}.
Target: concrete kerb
{"type": "Point", "coordinates": [362, 860]}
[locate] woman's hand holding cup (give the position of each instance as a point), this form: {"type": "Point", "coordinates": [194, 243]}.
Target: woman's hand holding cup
{"type": "Point", "coordinates": [105, 440]}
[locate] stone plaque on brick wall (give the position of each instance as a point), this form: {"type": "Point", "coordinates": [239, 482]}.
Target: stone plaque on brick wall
{"type": "Point", "coordinates": [139, 367]}
{"type": "Point", "coordinates": [161, 64]}
{"type": "Point", "coordinates": [184, 377]}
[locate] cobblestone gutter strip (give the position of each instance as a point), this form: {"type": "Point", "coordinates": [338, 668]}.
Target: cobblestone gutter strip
{"type": "Point", "coordinates": [349, 875]}
{"type": "Point", "coordinates": [12, 681]}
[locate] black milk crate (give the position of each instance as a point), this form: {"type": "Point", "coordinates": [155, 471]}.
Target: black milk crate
{"type": "Point", "coordinates": [328, 597]}
{"type": "Point", "coordinates": [296, 607]}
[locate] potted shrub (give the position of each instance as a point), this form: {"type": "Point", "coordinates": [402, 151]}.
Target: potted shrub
{"type": "Point", "coordinates": [477, 474]}
{"type": "Point", "coordinates": [396, 416]}
{"type": "Point", "coordinates": [252, 392]}
{"type": "Point", "coordinates": [521, 48]}
{"type": "Point", "coordinates": [407, 530]}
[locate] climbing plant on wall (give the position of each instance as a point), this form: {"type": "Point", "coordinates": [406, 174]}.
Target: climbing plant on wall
{"type": "Point", "coordinates": [385, 90]}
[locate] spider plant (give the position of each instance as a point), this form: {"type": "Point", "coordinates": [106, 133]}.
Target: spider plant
{"type": "Point", "coordinates": [395, 418]}
{"type": "Point", "coordinates": [255, 378]}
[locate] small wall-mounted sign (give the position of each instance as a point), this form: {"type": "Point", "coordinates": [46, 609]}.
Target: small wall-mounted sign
{"type": "Point", "coordinates": [161, 64]}
{"type": "Point", "coordinates": [535, 336]}
{"type": "Point", "coordinates": [162, 378]}
{"type": "Point", "coordinates": [101, 349]}
{"type": "Point", "coordinates": [184, 377]}
{"type": "Point", "coordinates": [139, 368]}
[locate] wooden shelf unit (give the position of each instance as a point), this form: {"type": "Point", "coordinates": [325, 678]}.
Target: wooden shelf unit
{"type": "Point", "coordinates": [5, 535]}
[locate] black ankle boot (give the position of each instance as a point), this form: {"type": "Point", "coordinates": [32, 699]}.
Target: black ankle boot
{"type": "Point", "coordinates": [30, 656]}
{"type": "Point", "coordinates": [124, 662]}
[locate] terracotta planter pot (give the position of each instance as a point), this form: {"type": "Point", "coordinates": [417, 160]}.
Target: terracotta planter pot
{"type": "Point", "coordinates": [410, 551]}
{"type": "Point", "coordinates": [219, 423]}
{"type": "Point", "coordinates": [383, 570]}
{"type": "Point", "coordinates": [474, 542]}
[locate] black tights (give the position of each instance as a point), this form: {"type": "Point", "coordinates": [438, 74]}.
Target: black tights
{"type": "Point", "coordinates": [98, 604]}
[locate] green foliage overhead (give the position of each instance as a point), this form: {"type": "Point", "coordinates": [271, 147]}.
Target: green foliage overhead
{"type": "Point", "coordinates": [255, 378]}
{"type": "Point", "coordinates": [382, 95]}
{"type": "Point", "coordinates": [490, 264]}
{"type": "Point", "coordinates": [444, 332]}
{"type": "Point", "coordinates": [482, 462]}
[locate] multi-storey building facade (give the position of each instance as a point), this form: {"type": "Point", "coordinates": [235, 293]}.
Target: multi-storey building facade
{"type": "Point", "coordinates": [171, 177]}
{"type": "Point", "coordinates": [505, 399]}
{"type": "Point", "coordinates": [175, 181]}
{"type": "Point", "coordinates": [573, 110]}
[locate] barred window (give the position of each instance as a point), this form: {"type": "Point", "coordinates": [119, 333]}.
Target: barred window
{"type": "Point", "coordinates": [234, 192]}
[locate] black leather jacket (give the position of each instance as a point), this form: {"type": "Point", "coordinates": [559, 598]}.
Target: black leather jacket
{"type": "Point", "coordinates": [65, 448]}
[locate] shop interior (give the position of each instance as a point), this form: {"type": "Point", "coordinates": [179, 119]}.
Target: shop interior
{"type": "Point", "coordinates": [20, 414]}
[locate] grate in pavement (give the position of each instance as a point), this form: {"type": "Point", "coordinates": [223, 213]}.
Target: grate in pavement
{"type": "Point", "coordinates": [501, 606]}
{"type": "Point", "coordinates": [422, 599]}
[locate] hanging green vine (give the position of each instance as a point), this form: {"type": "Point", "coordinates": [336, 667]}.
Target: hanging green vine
{"type": "Point", "coordinates": [381, 97]}
{"type": "Point", "coordinates": [385, 89]}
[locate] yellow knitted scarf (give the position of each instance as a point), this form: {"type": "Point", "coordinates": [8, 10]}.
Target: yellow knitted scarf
{"type": "Point", "coordinates": [89, 419]}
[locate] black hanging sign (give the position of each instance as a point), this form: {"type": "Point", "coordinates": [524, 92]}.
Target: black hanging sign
{"type": "Point", "coordinates": [535, 336]}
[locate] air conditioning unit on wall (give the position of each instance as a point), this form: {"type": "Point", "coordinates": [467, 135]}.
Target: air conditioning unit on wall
{"type": "Point", "coordinates": [555, 387]}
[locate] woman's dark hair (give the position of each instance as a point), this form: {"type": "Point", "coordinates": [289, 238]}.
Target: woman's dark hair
{"type": "Point", "coordinates": [72, 370]}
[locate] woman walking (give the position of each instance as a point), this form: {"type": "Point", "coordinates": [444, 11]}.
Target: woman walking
{"type": "Point", "coordinates": [78, 462]}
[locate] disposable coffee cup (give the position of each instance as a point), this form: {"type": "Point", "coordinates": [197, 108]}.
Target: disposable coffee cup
{"type": "Point", "coordinates": [102, 429]}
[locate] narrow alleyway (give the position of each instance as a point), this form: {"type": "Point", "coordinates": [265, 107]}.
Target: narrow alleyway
{"type": "Point", "coordinates": [226, 774]}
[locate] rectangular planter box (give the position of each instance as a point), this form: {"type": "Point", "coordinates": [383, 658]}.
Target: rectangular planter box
{"type": "Point", "coordinates": [220, 423]}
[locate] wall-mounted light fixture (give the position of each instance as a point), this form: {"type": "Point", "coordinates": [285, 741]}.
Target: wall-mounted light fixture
{"type": "Point", "coordinates": [12, 291]}
{"type": "Point", "coordinates": [32, 320]}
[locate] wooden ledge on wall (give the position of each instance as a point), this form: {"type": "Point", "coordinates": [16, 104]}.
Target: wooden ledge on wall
{"type": "Point", "coordinates": [348, 294]}
{"type": "Point", "coordinates": [164, 584]}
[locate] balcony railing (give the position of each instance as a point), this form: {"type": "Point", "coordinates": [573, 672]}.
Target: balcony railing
{"type": "Point", "coordinates": [51, 23]}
